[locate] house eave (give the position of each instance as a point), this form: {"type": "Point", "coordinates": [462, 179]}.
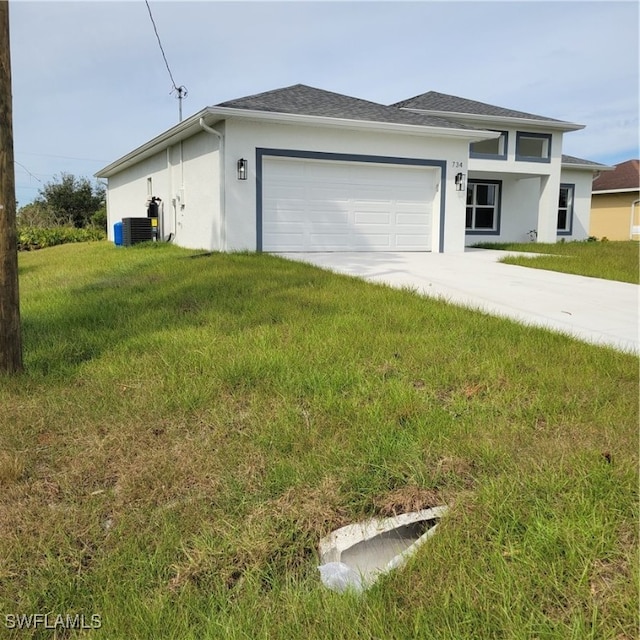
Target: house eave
{"type": "Point", "coordinates": [496, 121]}
{"type": "Point", "coordinates": [171, 136]}
{"type": "Point", "coordinates": [606, 191]}
{"type": "Point", "coordinates": [212, 115]}
{"type": "Point", "coordinates": [348, 123]}
{"type": "Point", "coordinates": [585, 167]}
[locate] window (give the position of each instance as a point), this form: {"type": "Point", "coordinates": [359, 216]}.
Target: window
{"type": "Point", "coordinates": [565, 209]}
{"type": "Point", "coordinates": [533, 147]}
{"type": "Point", "coordinates": [483, 207]}
{"type": "Point", "coordinates": [495, 149]}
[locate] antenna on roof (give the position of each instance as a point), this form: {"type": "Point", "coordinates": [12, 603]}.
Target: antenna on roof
{"type": "Point", "coordinates": [182, 93]}
{"type": "Point", "coordinates": [181, 90]}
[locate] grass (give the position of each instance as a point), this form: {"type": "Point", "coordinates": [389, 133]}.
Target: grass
{"type": "Point", "coordinates": [190, 425]}
{"type": "Point", "coordinates": [607, 260]}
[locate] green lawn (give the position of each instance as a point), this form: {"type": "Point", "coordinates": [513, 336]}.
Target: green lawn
{"type": "Point", "coordinates": [190, 425]}
{"type": "Point", "coordinates": [607, 260]}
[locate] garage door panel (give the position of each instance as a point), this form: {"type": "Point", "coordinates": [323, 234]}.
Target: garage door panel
{"type": "Point", "coordinates": [288, 241]}
{"type": "Point", "coordinates": [323, 192]}
{"type": "Point", "coordinates": [336, 218]}
{"type": "Point", "coordinates": [283, 215]}
{"type": "Point", "coordinates": [371, 217]}
{"type": "Point", "coordinates": [318, 207]}
{"type": "Point", "coordinates": [328, 242]}
{"type": "Point", "coordinates": [343, 206]}
{"type": "Point", "coordinates": [372, 242]}
{"type": "Point", "coordinates": [411, 242]}
{"type": "Point", "coordinates": [413, 219]}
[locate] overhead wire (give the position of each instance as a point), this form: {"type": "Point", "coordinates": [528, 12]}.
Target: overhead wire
{"type": "Point", "coordinates": [27, 170]}
{"type": "Point", "coordinates": [180, 90]}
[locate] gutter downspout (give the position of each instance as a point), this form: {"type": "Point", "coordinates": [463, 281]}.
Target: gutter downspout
{"type": "Point", "coordinates": [633, 218]}
{"type": "Point", "coordinates": [172, 200]}
{"type": "Point", "coordinates": [223, 212]}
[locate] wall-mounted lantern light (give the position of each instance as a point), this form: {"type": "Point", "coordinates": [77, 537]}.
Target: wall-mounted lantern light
{"type": "Point", "coordinates": [460, 181]}
{"type": "Point", "coordinates": [242, 169]}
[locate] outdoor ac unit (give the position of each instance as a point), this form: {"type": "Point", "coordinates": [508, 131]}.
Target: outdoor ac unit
{"type": "Point", "coordinates": [136, 230]}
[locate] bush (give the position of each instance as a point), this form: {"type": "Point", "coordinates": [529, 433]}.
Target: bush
{"type": "Point", "coordinates": [99, 219]}
{"type": "Point", "coordinates": [31, 238]}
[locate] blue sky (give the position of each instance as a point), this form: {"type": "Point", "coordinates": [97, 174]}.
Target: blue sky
{"type": "Point", "coordinates": [90, 84]}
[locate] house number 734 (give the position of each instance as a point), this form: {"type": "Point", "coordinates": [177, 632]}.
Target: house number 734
{"type": "Point", "coordinates": [456, 164]}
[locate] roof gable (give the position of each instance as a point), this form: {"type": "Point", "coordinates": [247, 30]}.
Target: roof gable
{"type": "Point", "coordinates": [625, 175]}
{"type": "Point", "coordinates": [300, 99]}
{"type": "Point", "coordinates": [434, 101]}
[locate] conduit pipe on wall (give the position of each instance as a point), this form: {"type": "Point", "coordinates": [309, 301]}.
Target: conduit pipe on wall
{"type": "Point", "coordinates": [223, 221]}
{"type": "Point", "coordinates": [172, 200]}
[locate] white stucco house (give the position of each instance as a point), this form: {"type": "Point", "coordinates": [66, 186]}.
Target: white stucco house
{"type": "Point", "coordinates": [303, 169]}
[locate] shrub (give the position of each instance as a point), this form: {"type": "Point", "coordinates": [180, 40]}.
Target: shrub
{"type": "Point", "coordinates": [99, 219]}
{"type": "Point", "coordinates": [31, 238]}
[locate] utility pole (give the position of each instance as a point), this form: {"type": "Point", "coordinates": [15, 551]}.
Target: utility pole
{"type": "Point", "coordinates": [10, 339]}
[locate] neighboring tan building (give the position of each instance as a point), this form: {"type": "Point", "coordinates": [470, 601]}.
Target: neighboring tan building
{"type": "Point", "coordinates": [615, 203]}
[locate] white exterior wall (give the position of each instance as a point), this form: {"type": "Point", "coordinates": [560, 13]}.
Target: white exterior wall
{"type": "Point", "coordinates": [206, 211]}
{"type": "Point", "coordinates": [529, 197]}
{"type": "Point", "coordinates": [518, 211]}
{"type": "Point", "coordinates": [243, 137]}
{"type": "Point", "coordinates": [196, 187]}
{"type": "Point", "coordinates": [582, 179]}
{"type": "Point", "coordinates": [185, 177]}
{"type": "Point", "coordinates": [127, 191]}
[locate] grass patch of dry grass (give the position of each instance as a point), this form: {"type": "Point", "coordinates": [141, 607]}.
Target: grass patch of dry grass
{"type": "Point", "coordinates": [187, 430]}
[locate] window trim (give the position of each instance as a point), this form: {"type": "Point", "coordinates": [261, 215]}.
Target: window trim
{"type": "Point", "coordinates": [492, 156]}
{"type": "Point", "coordinates": [570, 209]}
{"type": "Point", "coordinates": [497, 210]}
{"type": "Point", "coordinates": [540, 136]}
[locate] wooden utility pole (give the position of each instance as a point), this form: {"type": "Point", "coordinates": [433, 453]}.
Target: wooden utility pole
{"type": "Point", "coordinates": [10, 340]}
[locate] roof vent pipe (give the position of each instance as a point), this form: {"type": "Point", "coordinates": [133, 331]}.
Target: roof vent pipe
{"type": "Point", "coordinates": [223, 221]}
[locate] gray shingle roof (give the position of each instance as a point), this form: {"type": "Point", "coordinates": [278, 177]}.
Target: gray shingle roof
{"type": "Point", "coordinates": [434, 101]}
{"type": "Point", "coordinates": [301, 99]}
{"type": "Point", "coordinates": [573, 160]}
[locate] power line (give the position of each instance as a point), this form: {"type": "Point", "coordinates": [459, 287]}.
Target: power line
{"type": "Point", "coordinates": [52, 155]}
{"type": "Point", "coordinates": [180, 90]}
{"type": "Point", "coordinates": [27, 170]}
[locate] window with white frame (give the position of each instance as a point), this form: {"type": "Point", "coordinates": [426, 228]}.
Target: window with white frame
{"type": "Point", "coordinates": [565, 209]}
{"type": "Point", "coordinates": [483, 207]}
{"type": "Point", "coordinates": [494, 149]}
{"type": "Point", "coordinates": [533, 147]}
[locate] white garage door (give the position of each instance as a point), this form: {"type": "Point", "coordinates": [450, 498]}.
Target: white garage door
{"type": "Point", "coordinates": [320, 205]}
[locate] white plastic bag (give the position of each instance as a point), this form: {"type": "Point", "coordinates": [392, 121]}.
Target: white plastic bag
{"type": "Point", "coordinates": [337, 576]}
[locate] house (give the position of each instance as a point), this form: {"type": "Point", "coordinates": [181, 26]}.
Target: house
{"type": "Point", "coordinates": [615, 203]}
{"type": "Point", "coordinates": [304, 169]}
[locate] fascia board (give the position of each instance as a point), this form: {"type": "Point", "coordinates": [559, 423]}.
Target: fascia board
{"type": "Point", "coordinates": [586, 167]}
{"type": "Point", "coordinates": [191, 125]}
{"type": "Point", "coordinates": [605, 191]}
{"type": "Point", "coordinates": [598, 168]}
{"type": "Point", "coordinates": [496, 121]}
{"type": "Point", "coordinates": [471, 135]}
{"type": "Point", "coordinates": [179, 132]}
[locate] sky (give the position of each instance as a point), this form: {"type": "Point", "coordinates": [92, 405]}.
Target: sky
{"type": "Point", "coordinates": [90, 83]}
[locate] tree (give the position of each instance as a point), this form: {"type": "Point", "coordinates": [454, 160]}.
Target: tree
{"type": "Point", "coordinates": [10, 338]}
{"type": "Point", "coordinates": [35, 214]}
{"type": "Point", "coordinates": [72, 200]}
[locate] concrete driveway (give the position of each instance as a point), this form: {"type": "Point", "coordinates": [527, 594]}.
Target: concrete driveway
{"type": "Point", "coordinates": [597, 311]}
